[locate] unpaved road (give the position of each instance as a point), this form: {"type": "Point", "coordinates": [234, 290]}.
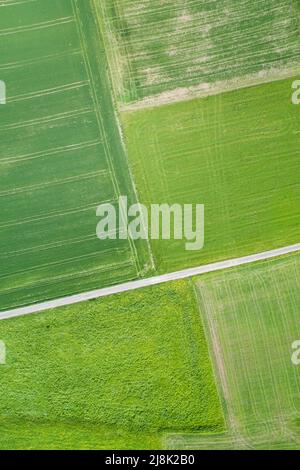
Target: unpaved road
{"type": "Point", "coordinates": [74, 299]}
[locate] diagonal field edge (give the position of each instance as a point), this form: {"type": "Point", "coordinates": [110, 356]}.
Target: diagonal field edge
{"type": "Point", "coordinates": [95, 294]}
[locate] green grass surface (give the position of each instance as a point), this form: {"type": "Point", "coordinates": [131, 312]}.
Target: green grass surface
{"type": "Point", "coordinates": [60, 155]}
{"type": "Point", "coordinates": [20, 434]}
{"type": "Point", "coordinates": [238, 154]}
{"type": "Point", "coordinates": [252, 316]}
{"type": "Point", "coordinates": [120, 372]}
{"type": "Point", "coordinates": [157, 45]}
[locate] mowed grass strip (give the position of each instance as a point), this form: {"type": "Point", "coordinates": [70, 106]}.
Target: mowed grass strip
{"type": "Point", "coordinates": [238, 154]}
{"type": "Point", "coordinates": [60, 155]}
{"type": "Point", "coordinates": [120, 372]}
{"type": "Point", "coordinates": [252, 317]}
{"type": "Point", "coordinates": [157, 46]}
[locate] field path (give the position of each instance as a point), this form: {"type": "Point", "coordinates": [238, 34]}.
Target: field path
{"type": "Point", "coordinates": [73, 299]}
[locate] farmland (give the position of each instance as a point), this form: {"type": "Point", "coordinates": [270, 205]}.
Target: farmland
{"type": "Point", "coordinates": [252, 318]}
{"type": "Point", "coordinates": [238, 154]}
{"type": "Point", "coordinates": [158, 46]}
{"type": "Point", "coordinates": [62, 151]}
{"type": "Point", "coordinates": [162, 102]}
{"type": "Point", "coordinates": [120, 372]}
{"type": "Point", "coordinates": [61, 155]}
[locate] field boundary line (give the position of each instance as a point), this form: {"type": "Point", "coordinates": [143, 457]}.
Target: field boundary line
{"type": "Point", "coordinates": [203, 90]}
{"type": "Point", "coordinates": [151, 281]}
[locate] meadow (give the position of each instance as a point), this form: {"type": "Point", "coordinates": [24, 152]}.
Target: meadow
{"type": "Point", "coordinates": [237, 153]}
{"type": "Point", "coordinates": [252, 318]}
{"type": "Point", "coordinates": [159, 46]}
{"type": "Point", "coordinates": [61, 155]}
{"type": "Point", "coordinates": [117, 373]}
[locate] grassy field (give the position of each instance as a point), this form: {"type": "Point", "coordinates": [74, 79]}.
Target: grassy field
{"type": "Point", "coordinates": [238, 154]}
{"type": "Point", "coordinates": [252, 317]}
{"type": "Point", "coordinates": [155, 46]}
{"type": "Point", "coordinates": [60, 155]}
{"type": "Point", "coordinates": [121, 372]}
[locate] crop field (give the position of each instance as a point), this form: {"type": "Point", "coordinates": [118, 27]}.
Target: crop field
{"type": "Point", "coordinates": [252, 318]}
{"type": "Point", "coordinates": [166, 102]}
{"type": "Point", "coordinates": [120, 372]}
{"type": "Point", "coordinates": [62, 152]}
{"type": "Point", "coordinates": [156, 46]}
{"type": "Point", "coordinates": [60, 155]}
{"type": "Point", "coordinates": [238, 154]}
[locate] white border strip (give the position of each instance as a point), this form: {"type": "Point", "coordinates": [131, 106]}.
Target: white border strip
{"type": "Point", "coordinates": [128, 286]}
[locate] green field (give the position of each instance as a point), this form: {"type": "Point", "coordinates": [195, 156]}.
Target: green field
{"type": "Point", "coordinates": [165, 102]}
{"type": "Point", "coordinates": [156, 46]}
{"type": "Point", "coordinates": [120, 372]}
{"type": "Point", "coordinates": [238, 154]}
{"type": "Point", "coordinates": [252, 317]}
{"type": "Point", "coordinates": [61, 155]}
